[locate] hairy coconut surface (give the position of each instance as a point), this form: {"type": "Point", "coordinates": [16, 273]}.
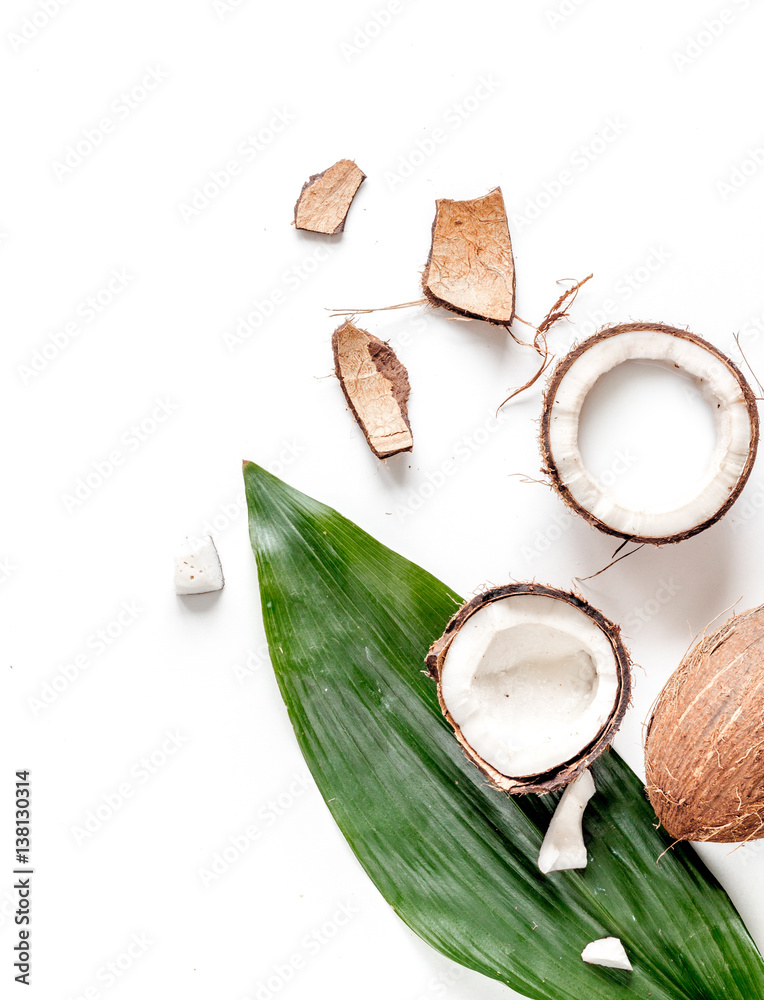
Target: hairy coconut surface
{"type": "Point", "coordinates": [727, 393]}
{"type": "Point", "coordinates": [535, 683]}
{"type": "Point", "coordinates": [470, 269]}
{"type": "Point", "coordinates": [704, 751]}
{"type": "Point", "coordinates": [325, 198]}
{"type": "Point", "coordinates": [376, 387]}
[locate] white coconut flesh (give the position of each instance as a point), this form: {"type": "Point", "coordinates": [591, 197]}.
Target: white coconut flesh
{"type": "Point", "coordinates": [608, 952]}
{"type": "Point", "coordinates": [530, 681]}
{"type": "Point", "coordinates": [563, 848]}
{"type": "Point", "coordinates": [724, 396]}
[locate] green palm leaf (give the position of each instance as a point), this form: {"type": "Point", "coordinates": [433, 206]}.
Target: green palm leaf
{"type": "Point", "coordinates": [348, 624]}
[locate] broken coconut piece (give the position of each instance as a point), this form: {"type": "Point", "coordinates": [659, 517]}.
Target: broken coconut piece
{"type": "Point", "coordinates": [376, 387]}
{"type": "Point", "coordinates": [325, 198]}
{"type": "Point", "coordinates": [535, 683]}
{"type": "Point", "coordinates": [470, 269]}
{"type": "Point", "coordinates": [197, 567]}
{"type": "Point", "coordinates": [726, 392]}
{"type": "Point", "coordinates": [563, 847]}
{"type": "Point", "coordinates": [609, 952]}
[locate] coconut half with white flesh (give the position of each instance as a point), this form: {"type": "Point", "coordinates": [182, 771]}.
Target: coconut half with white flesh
{"type": "Point", "coordinates": [534, 682]}
{"type": "Point", "coordinates": [726, 392]}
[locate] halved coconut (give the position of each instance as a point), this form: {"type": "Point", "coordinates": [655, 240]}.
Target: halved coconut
{"type": "Point", "coordinates": [722, 385]}
{"type": "Point", "coordinates": [535, 683]}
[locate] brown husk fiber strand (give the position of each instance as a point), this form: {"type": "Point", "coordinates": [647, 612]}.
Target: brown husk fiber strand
{"type": "Point", "coordinates": [470, 269]}
{"type": "Point", "coordinates": [568, 770]}
{"type": "Point", "coordinates": [376, 387]}
{"type": "Point", "coordinates": [704, 750]}
{"type": "Point", "coordinates": [550, 469]}
{"type": "Point", "coordinates": [325, 198]}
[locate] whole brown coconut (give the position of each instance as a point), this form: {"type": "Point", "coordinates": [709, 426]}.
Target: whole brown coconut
{"type": "Point", "coordinates": [704, 750]}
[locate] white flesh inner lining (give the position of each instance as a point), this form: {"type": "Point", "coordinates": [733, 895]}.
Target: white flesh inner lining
{"type": "Point", "coordinates": [530, 680]}
{"type": "Point", "coordinates": [725, 399]}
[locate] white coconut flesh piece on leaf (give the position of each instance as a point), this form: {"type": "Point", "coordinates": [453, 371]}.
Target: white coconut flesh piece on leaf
{"type": "Point", "coordinates": [535, 683]}
{"type": "Point", "coordinates": [563, 848]}
{"type": "Point", "coordinates": [609, 952]}
{"type": "Point", "coordinates": [726, 393]}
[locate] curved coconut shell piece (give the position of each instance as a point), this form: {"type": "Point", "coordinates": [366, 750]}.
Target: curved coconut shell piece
{"type": "Point", "coordinates": [376, 387]}
{"type": "Point", "coordinates": [562, 775]}
{"type": "Point", "coordinates": [551, 463]}
{"type": "Point", "coordinates": [470, 269]}
{"type": "Point", "coordinates": [704, 751]}
{"type": "Point", "coordinates": [325, 198]}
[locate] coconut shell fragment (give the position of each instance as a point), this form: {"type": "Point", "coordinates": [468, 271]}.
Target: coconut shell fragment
{"type": "Point", "coordinates": [325, 198]}
{"type": "Point", "coordinates": [704, 750]}
{"type": "Point", "coordinates": [376, 387]}
{"type": "Point", "coordinates": [470, 269]}
{"type": "Point", "coordinates": [553, 659]}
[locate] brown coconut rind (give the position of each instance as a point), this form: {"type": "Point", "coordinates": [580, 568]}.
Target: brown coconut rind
{"type": "Point", "coordinates": [470, 269]}
{"type": "Point", "coordinates": [704, 749]}
{"type": "Point", "coordinates": [325, 198]}
{"type": "Point", "coordinates": [550, 469]}
{"type": "Point", "coordinates": [376, 387]}
{"type": "Point", "coordinates": [562, 775]}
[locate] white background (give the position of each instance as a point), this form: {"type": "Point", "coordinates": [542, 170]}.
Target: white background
{"type": "Point", "coordinates": [645, 112]}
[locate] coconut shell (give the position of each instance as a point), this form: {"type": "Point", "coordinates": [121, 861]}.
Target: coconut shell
{"type": "Point", "coordinates": [562, 775]}
{"type": "Point", "coordinates": [550, 469]}
{"type": "Point", "coordinates": [704, 751]}
{"type": "Point", "coordinates": [470, 269]}
{"type": "Point", "coordinates": [325, 198]}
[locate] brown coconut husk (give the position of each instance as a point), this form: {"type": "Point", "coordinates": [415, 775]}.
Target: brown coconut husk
{"type": "Point", "coordinates": [470, 269]}
{"type": "Point", "coordinates": [704, 747]}
{"type": "Point", "coordinates": [325, 198]}
{"type": "Point", "coordinates": [376, 387]}
{"type": "Point", "coordinates": [550, 469]}
{"type": "Point", "coordinates": [567, 771]}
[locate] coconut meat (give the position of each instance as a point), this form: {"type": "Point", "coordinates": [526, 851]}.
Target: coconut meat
{"type": "Point", "coordinates": [530, 680]}
{"type": "Point", "coordinates": [563, 847]}
{"type": "Point", "coordinates": [197, 567]}
{"type": "Point", "coordinates": [721, 391]}
{"type": "Point", "coordinates": [609, 952]}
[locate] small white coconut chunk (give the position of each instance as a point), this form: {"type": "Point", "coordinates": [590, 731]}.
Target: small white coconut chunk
{"type": "Point", "coordinates": [530, 680]}
{"type": "Point", "coordinates": [563, 847]}
{"type": "Point", "coordinates": [609, 952]}
{"type": "Point", "coordinates": [197, 567]}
